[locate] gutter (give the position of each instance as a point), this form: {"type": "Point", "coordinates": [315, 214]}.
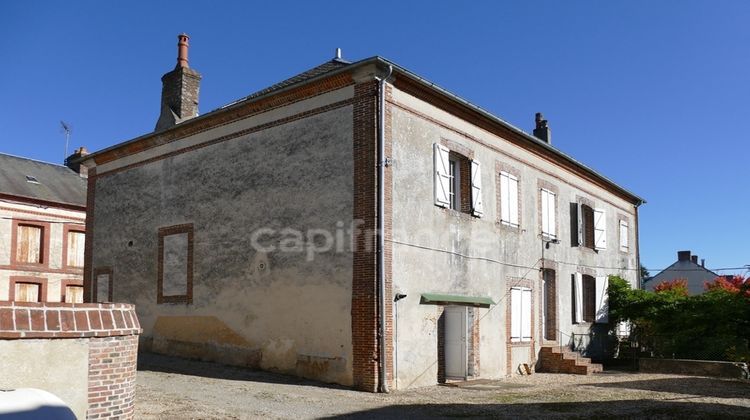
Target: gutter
{"type": "Point", "coordinates": [382, 163]}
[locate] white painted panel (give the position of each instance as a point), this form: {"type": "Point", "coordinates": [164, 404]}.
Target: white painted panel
{"type": "Point", "coordinates": [455, 341]}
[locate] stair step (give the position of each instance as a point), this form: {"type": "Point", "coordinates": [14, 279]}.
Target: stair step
{"type": "Point", "coordinates": [562, 360]}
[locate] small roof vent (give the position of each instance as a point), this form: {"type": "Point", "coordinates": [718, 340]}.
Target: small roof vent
{"type": "Point", "coordinates": [31, 179]}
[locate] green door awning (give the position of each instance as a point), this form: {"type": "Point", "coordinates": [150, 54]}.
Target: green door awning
{"type": "Point", "coordinates": [438, 299]}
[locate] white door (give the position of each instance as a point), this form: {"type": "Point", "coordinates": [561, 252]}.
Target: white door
{"type": "Point", "coordinates": [455, 342]}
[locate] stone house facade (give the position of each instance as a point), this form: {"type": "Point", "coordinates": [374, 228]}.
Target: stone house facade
{"type": "Point", "coordinates": [42, 230]}
{"type": "Point", "coordinates": [354, 224]}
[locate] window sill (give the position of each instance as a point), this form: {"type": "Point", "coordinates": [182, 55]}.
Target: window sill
{"type": "Point", "coordinates": [508, 226]}
{"type": "Point", "coordinates": [521, 343]}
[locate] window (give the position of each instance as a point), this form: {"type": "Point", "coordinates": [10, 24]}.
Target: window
{"type": "Point", "coordinates": [75, 248]}
{"type": "Point", "coordinates": [624, 243]}
{"type": "Point", "coordinates": [103, 284]}
{"type": "Point", "coordinates": [592, 227]}
{"type": "Point", "coordinates": [549, 204]}
{"type": "Point", "coordinates": [508, 199]}
{"type": "Point", "coordinates": [175, 265]}
{"type": "Point", "coordinates": [32, 180]}
{"type": "Point", "coordinates": [458, 181]}
{"type": "Point", "coordinates": [27, 289]}
{"type": "Point", "coordinates": [71, 291]}
{"type": "Point", "coordinates": [520, 318]}
{"type": "Point", "coordinates": [590, 298]}
{"type": "Point", "coordinates": [29, 242]}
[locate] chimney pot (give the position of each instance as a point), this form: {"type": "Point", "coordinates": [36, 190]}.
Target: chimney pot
{"type": "Point", "coordinates": [338, 54]}
{"type": "Point", "coordinates": [74, 162]}
{"type": "Point", "coordinates": [683, 255]}
{"type": "Point", "coordinates": [182, 50]}
{"type": "Point", "coordinates": [542, 130]}
{"type": "Point", "coordinates": [694, 259]}
{"type": "Point", "coordinates": [703, 262]}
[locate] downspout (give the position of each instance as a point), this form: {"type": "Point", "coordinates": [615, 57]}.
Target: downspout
{"type": "Point", "coordinates": [382, 163]}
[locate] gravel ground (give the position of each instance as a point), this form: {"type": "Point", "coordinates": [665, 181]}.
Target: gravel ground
{"type": "Point", "coordinates": [178, 388]}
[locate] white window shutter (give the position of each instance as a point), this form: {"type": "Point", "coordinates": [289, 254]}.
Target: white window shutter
{"type": "Point", "coordinates": [580, 224]}
{"type": "Point", "coordinates": [624, 243]}
{"type": "Point", "coordinates": [525, 315]}
{"type": "Point", "coordinates": [578, 297]}
{"type": "Point", "coordinates": [545, 212]}
{"type": "Point", "coordinates": [600, 229]}
{"type": "Point", "coordinates": [477, 206]}
{"type": "Point", "coordinates": [513, 200]}
{"type": "Point", "coordinates": [552, 203]}
{"type": "Point", "coordinates": [602, 300]}
{"type": "Point", "coordinates": [504, 197]}
{"type": "Point", "coordinates": [442, 175]}
{"type": "Point", "coordinates": [515, 314]}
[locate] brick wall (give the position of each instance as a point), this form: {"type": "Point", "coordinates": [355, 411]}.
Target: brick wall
{"type": "Point", "coordinates": [111, 332]}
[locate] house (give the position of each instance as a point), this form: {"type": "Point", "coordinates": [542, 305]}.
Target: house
{"type": "Point", "coordinates": [249, 234]}
{"type": "Point", "coordinates": [42, 230]}
{"type": "Point", "coordinates": [685, 268]}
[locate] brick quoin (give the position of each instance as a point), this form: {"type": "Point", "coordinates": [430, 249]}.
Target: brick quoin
{"type": "Point", "coordinates": [364, 270]}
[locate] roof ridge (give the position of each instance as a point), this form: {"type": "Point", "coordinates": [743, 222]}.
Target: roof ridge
{"type": "Point", "coordinates": [32, 160]}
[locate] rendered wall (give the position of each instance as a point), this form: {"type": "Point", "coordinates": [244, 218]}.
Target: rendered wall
{"type": "Point", "coordinates": [287, 309]}
{"type": "Point", "coordinates": [443, 251]}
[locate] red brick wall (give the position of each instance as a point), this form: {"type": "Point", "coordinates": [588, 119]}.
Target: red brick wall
{"type": "Point", "coordinates": [112, 330]}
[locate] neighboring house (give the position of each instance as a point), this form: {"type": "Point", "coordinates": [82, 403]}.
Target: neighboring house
{"type": "Point", "coordinates": [248, 235]}
{"type": "Point", "coordinates": [42, 230]}
{"type": "Point", "coordinates": [685, 268]}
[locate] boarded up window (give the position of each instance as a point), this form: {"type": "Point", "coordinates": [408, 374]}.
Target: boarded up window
{"type": "Point", "coordinates": [29, 244]}
{"type": "Point", "coordinates": [550, 305]}
{"type": "Point", "coordinates": [75, 248]}
{"type": "Point", "coordinates": [589, 298]}
{"type": "Point", "coordinates": [103, 281]}
{"type": "Point", "coordinates": [28, 292]}
{"type": "Point", "coordinates": [175, 276]}
{"type": "Point", "coordinates": [74, 294]}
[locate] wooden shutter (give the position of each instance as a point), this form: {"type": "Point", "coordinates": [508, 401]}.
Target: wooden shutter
{"type": "Point", "coordinates": [27, 292]}
{"type": "Point", "coordinates": [442, 175]}
{"type": "Point", "coordinates": [512, 200]}
{"type": "Point", "coordinates": [577, 297]}
{"type": "Point", "coordinates": [624, 243]}
{"type": "Point", "coordinates": [579, 221]}
{"type": "Point", "coordinates": [74, 294]}
{"type": "Point", "coordinates": [29, 243]}
{"type": "Point", "coordinates": [602, 303]}
{"type": "Point", "coordinates": [545, 211]}
{"type": "Point", "coordinates": [515, 314]}
{"type": "Point", "coordinates": [600, 229]}
{"type": "Point", "coordinates": [75, 248]}
{"type": "Point", "coordinates": [477, 206]}
{"type": "Point", "coordinates": [525, 315]}
{"type": "Point", "coordinates": [504, 197]}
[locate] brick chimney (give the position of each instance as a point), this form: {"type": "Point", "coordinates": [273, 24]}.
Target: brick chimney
{"type": "Point", "coordinates": [179, 92]}
{"type": "Point", "coordinates": [694, 259]}
{"type": "Point", "coordinates": [542, 131]}
{"type": "Point", "coordinates": [74, 162]}
{"type": "Point", "coordinates": [683, 255]}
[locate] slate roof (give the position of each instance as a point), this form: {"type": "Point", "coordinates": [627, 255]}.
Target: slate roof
{"type": "Point", "coordinates": [324, 68]}
{"type": "Point", "coordinates": [695, 274]}
{"type": "Point", "coordinates": [56, 183]}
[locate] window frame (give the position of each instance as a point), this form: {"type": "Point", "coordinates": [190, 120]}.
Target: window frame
{"type": "Point", "coordinates": [44, 243]}
{"type": "Point", "coordinates": [70, 282]}
{"type": "Point", "coordinates": [41, 281]}
{"type": "Point", "coordinates": [67, 228]}
{"type": "Point", "coordinates": [521, 338]}
{"type": "Point", "coordinates": [187, 298]}
{"type": "Point", "coordinates": [95, 284]}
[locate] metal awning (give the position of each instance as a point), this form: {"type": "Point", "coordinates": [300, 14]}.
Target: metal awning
{"type": "Point", "coordinates": [439, 299]}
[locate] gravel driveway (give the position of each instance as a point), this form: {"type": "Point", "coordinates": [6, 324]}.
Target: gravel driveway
{"type": "Point", "coordinates": [177, 388]}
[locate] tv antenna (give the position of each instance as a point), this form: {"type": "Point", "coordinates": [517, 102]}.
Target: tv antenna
{"type": "Point", "coordinates": [66, 129]}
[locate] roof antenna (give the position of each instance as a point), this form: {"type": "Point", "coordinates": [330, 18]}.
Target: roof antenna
{"type": "Point", "coordinates": [338, 54]}
{"type": "Point", "coordinates": [67, 129]}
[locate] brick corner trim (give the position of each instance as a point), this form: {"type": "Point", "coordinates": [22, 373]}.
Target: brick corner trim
{"type": "Point", "coordinates": [66, 320]}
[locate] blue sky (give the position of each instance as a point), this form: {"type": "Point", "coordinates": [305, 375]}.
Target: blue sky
{"type": "Point", "coordinates": [652, 94]}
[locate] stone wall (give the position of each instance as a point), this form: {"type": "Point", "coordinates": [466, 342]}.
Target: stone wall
{"type": "Point", "coordinates": [83, 353]}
